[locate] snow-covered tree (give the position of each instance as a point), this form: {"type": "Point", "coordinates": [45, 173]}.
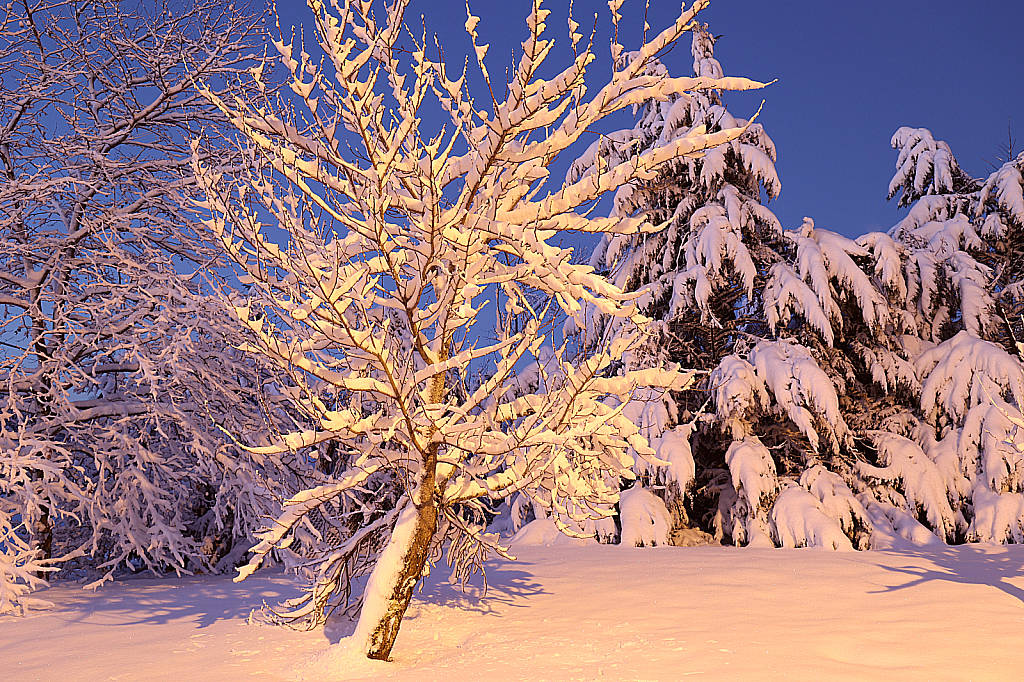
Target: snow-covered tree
{"type": "Point", "coordinates": [951, 459]}
{"type": "Point", "coordinates": [860, 389]}
{"type": "Point", "coordinates": [920, 357]}
{"type": "Point", "coordinates": [999, 215]}
{"type": "Point", "coordinates": [404, 245]}
{"type": "Point", "coordinates": [897, 376]}
{"type": "Point", "coordinates": [695, 276]}
{"type": "Point", "coordinates": [815, 340]}
{"type": "Point", "coordinates": [115, 367]}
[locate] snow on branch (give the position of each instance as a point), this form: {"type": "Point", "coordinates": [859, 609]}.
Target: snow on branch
{"type": "Point", "coordinates": [909, 480]}
{"type": "Point", "coordinates": [825, 266]}
{"type": "Point", "coordinates": [419, 278]}
{"type": "Point", "coordinates": [754, 480]}
{"type": "Point", "coordinates": [797, 521]}
{"type": "Point", "coordinates": [838, 502]}
{"type": "Point", "coordinates": [925, 166]}
{"type": "Point", "coordinates": [787, 372]}
{"type": "Point", "coordinates": [1005, 190]}
{"type": "Point", "coordinates": [963, 372]}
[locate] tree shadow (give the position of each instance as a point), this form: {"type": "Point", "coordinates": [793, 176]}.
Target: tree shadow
{"type": "Point", "coordinates": [506, 584]}
{"type": "Point", "coordinates": [206, 600]}
{"type": "Point", "coordinates": [967, 565]}
{"type": "Point", "coordinates": [203, 600]}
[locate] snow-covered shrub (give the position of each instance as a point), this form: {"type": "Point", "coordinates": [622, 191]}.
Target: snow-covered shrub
{"type": "Point", "coordinates": [838, 502]}
{"type": "Point", "coordinates": [797, 520]}
{"type": "Point", "coordinates": [781, 380]}
{"type": "Point", "coordinates": [892, 524]}
{"type": "Point", "coordinates": [645, 519]}
{"type": "Point", "coordinates": [999, 517]}
{"type": "Point", "coordinates": [756, 487]}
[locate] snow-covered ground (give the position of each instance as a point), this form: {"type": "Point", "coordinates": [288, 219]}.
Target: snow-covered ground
{"type": "Point", "coordinates": [571, 612]}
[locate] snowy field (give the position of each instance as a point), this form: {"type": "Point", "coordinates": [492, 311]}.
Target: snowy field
{"type": "Point", "coordinates": [571, 613]}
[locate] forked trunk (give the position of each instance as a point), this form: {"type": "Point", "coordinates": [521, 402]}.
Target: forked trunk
{"type": "Point", "coordinates": [390, 587]}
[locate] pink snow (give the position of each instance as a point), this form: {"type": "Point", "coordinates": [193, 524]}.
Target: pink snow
{"type": "Point", "coordinates": [564, 613]}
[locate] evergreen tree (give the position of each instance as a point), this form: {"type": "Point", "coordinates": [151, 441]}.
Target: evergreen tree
{"type": "Point", "coordinates": [849, 377]}
{"type": "Point", "coordinates": [955, 460]}
{"type": "Point", "coordinates": [699, 277]}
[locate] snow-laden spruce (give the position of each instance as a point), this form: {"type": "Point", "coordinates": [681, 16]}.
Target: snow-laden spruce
{"type": "Point", "coordinates": [860, 388]}
{"type": "Point", "coordinates": [699, 275]}
{"type": "Point", "coordinates": [403, 302]}
{"type": "Point", "coordinates": [908, 350]}
{"type": "Point", "coordinates": [961, 248]}
{"type": "Point", "coordinates": [708, 206]}
{"type": "Point", "coordinates": [763, 308]}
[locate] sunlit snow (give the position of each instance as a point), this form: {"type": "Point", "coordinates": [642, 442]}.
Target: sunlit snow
{"type": "Point", "coordinates": [563, 612]}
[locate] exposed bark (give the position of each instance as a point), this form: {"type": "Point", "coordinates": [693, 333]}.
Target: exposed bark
{"type": "Point", "coordinates": [382, 638]}
{"type": "Point", "coordinates": [42, 537]}
{"type": "Point", "coordinates": [424, 501]}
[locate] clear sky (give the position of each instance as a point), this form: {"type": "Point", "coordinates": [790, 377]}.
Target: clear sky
{"type": "Point", "coordinates": [848, 75]}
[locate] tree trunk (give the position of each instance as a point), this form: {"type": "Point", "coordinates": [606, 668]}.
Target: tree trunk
{"type": "Point", "coordinates": [393, 579]}
{"type": "Point", "coordinates": [400, 566]}
{"type": "Point", "coordinates": [41, 537]}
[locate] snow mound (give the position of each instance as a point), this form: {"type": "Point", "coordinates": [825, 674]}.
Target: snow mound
{"type": "Point", "coordinates": [645, 518]}
{"type": "Point", "coordinates": [798, 521]}
{"type": "Point", "coordinates": [544, 533]}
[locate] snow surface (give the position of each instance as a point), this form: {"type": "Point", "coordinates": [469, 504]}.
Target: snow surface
{"type": "Point", "coordinates": [589, 612]}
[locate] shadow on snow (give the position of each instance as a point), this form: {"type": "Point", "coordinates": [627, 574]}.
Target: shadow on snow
{"type": "Point", "coordinates": [964, 564]}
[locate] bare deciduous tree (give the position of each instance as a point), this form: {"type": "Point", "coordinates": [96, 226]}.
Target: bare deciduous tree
{"type": "Point", "coordinates": [402, 242]}
{"type": "Point", "coordinates": [113, 360]}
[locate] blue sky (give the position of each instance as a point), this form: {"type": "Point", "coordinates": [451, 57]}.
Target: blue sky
{"type": "Point", "coordinates": [848, 75]}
